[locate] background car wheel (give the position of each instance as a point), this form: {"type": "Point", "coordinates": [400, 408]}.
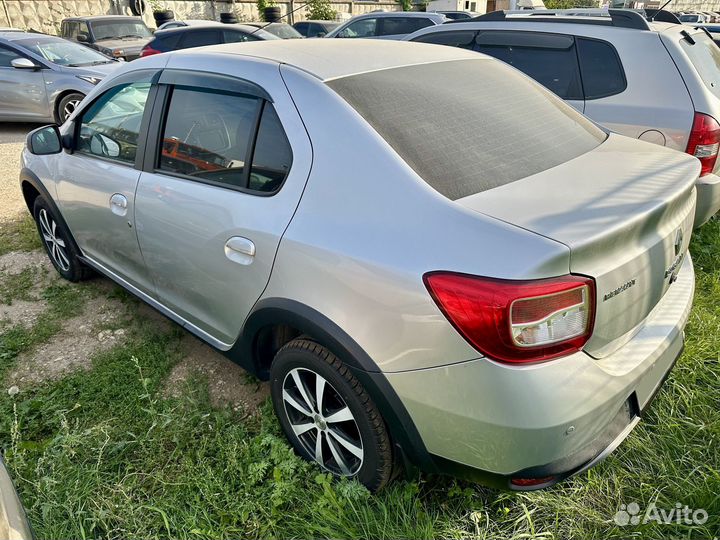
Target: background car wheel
{"type": "Point", "coordinates": [327, 416]}
{"type": "Point", "coordinates": [67, 106]}
{"type": "Point", "coordinates": [58, 244]}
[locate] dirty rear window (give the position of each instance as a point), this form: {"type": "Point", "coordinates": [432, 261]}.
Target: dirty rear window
{"type": "Point", "coordinates": [704, 55]}
{"type": "Point", "coordinates": [466, 126]}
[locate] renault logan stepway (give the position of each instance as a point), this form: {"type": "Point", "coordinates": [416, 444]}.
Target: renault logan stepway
{"type": "Point", "coordinates": [433, 259]}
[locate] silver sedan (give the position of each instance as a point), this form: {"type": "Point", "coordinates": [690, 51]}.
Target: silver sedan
{"type": "Point", "coordinates": [430, 257]}
{"type": "Point", "coordinates": [44, 78]}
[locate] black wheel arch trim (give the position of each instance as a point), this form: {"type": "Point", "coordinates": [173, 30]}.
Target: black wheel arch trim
{"type": "Point", "coordinates": [273, 311]}
{"type": "Point", "coordinates": [27, 176]}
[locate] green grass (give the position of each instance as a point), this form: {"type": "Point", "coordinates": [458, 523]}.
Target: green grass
{"type": "Point", "coordinates": [18, 235]}
{"type": "Point", "coordinates": [103, 455]}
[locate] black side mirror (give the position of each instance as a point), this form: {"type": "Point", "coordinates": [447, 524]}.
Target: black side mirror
{"type": "Point", "coordinates": [44, 141]}
{"type": "Point", "coordinates": [321, 34]}
{"type": "Point", "coordinates": [83, 38]}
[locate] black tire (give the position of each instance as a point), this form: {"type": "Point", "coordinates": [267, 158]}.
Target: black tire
{"type": "Point", "coordinates": [58, 243]}
{"type": "Point", "coordinates": [228, 18]}
{"type": "Point", "coordinates": [272, 14]}
{"type": "Point", "coordinates": [138, 7]}
{"type": "Point", "coordinates": [67, 105]}
{"type": "Point", "coordinates": [365, 431]}
{"type": "Point", "coordinates": [163, 16]}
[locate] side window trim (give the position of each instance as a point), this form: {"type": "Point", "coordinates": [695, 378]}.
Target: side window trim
{"type": "Point", "coordinates": [156, 127]}
{"type": "Point", "coordinates": [128, 78]}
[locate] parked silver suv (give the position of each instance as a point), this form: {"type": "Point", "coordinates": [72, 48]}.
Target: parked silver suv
{"type": "Point", "coordinates": [655, 81]}
{"type": "Point", "coordinates": [432, 258]}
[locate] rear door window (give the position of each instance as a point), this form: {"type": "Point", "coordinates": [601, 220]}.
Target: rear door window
{"type": "Point", "coordinates": [303, 28]}
{"type": "Point", "coordinates": [550, 59]}
{"type": "Point", "coordinates": [489, 128]}
{"type": "Point", "coordinates": [390, 26]}
{"type": "Point", "coordinates": [602, 73]}
{"type": "Point", "coordinates": [359, 29]}
{"type": "Point", "coordinates": [200, 38]}
{"type": "Point", "coordinates": [166, 42]}
{"type": "Point", "coordinates": [704, 55]}
{"type": "Point", "coordinates": [230, 36]}
{"type": "Point", "coordinates": [465, 39]}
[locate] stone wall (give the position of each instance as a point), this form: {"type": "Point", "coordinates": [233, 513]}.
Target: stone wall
{"type": "Point", "coordinates": [45, 15]}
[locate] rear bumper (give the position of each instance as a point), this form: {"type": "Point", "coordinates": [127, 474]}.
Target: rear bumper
{"type": "Point", "coordinates": [708, 198]}
{"type": "Point", "coordinates": [13, 521]}
{"type": "Point", "coordinates": [494, 422]}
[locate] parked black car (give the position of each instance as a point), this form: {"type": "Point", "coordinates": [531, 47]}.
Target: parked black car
{"type": "Point", "coordinates": [213, 33]}
{"type": "Point", "coordinates": [115, 35]}
{"type": "Point", "coordinates": [314, 29]}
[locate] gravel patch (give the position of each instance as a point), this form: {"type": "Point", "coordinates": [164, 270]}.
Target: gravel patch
{"type": "Point", "coordinates": [17, 261]}
{"type": "Point", "coordinates": [72, 349]}
{"type": "Point", "coordinates": [229, 384]}
{"type": "Point", "coordinates": [12, 140]}
{"type": "Point", "coordinates": [21, 312]}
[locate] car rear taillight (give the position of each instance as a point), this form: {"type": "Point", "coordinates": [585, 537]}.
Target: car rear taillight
{"type": "Point", "coordinates": [147, 50]}
{"type": "Point", "coordinates": [517, 321]}
{"type": "Point", "coordinates": [704, 141]}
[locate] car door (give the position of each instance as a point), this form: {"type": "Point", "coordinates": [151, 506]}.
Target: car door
{"type": "Point", "coordinates": [231, 159]}
{"type": "Point", "coordinates": [550, 59]}
{"type": "Point", "coordinates": [96, 182]}
{"type": "Point", "coordinates": [23, 95]}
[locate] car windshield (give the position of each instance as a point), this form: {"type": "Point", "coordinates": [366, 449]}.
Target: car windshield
{"type": "Point", "coordinates": [119, 29]}
{"type": "Point", "coordinates": [492, 126]}
{"type": "Point", "coordinates": [284, 31]}
{"type": "Point", "coordinates": [64, 53]}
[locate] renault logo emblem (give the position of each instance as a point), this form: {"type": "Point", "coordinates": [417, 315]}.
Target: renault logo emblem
{"type": "Point", "coordinates": [678, 242]}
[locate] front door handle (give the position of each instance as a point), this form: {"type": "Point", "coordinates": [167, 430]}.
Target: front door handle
{"type": "Point", "coordinates": [240, 250]}
{"type": "Point", "coordinates": [118, 204]}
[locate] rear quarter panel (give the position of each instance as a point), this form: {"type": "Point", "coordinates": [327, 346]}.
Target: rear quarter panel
{"type": "Point", "coordinates": [367, 229]}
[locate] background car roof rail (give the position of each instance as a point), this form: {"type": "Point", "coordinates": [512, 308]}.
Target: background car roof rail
{"type": "Point", "coordinates": [621, 18]}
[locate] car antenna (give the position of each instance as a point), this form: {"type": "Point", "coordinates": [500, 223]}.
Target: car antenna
{"type": "Point", "coordinates": [659, 10]}
{"type": "Point", "coordinates": [289, 13]}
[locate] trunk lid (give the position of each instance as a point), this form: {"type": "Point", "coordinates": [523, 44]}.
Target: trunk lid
{"type": "Point", "coordinates": [625, 210]}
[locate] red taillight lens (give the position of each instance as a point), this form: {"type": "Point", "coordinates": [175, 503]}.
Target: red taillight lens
{"type": "Point", "coordinates": [517, 321]}
{"type": "Point", "coordinates": [704, 141]}
{"type": "Point", "coordinates": [531, 482]}
{"type": "Point", "coordinates": [147, 50]}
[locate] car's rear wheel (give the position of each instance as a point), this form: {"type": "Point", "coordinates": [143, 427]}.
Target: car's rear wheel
{"type": "Point", "coordinates": [58, 243]}
{"type": "Point", "coordinates": [67, 105]}
{"type": "Point", "coordinates": [328, 416]}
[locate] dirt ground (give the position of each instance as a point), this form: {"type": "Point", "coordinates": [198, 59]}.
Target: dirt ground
{"type": "Point", "coordinates": [12, 139]}
{"type": "Point", "coordinates": [102, 322]}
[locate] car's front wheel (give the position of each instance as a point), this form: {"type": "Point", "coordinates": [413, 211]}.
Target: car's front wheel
{"type": "Point", "coordinates": [328, 416]}
{"type": "Point", "coordinates": [67, 105]}
{"type": "Point", "coordinates": [57, 242]}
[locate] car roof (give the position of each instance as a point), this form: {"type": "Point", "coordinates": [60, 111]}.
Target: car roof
{"type": "Point", "coordinates": [102, 18]}
{"type": "Point", "coordinates": [210, 24]}
{"type": "Point", "coordinates": [18, 36]}
{"type": "Point", "coordinates": [422, 14]}
{"type": "Point", "coordinates": [320, 21]}
{"type": "Point", "coordinates": [335, 58]}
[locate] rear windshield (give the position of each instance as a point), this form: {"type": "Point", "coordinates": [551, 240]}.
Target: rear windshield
{"type": "Point", "coordinates": [467, 126]}
{"type": "Point", "coordinates": [705, 56]}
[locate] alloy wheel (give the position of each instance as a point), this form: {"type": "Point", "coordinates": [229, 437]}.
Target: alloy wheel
{"type": "Point", "coordinates": [322, 422]}
{"type": "Point", "coordinates": [69, 108]}
{"type": "Point", "coordinates": [54, 243]}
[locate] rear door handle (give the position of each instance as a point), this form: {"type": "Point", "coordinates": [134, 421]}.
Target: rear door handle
{"type": "Point", "coordinates": [240, 250]}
